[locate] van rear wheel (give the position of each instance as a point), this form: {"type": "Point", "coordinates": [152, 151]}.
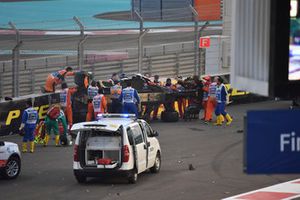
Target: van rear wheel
{"type": "Point", "coordinates": [80, 178]}
{"type": "Point", "coordinates": [133, 177]}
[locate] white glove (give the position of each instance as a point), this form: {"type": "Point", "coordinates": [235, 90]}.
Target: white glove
{"type": "Point", "coordinates": [21, 126]}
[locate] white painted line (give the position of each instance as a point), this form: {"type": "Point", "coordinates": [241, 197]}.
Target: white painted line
{"type": "Point", "coordinates": [67, 33]}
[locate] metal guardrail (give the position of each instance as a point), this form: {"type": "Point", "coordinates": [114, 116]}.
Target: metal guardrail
{"type": "Point", "coordinates": [50, 58]}
{"type": "Point", "coordinates": [33, 76]}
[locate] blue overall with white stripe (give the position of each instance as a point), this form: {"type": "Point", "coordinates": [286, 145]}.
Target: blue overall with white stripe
{"type": "Point", "coordinates": [221, 97]}
{"type": "Point", "coordinates": [29, 119]}
{"type": "Point", "coordinates": [130, 99]}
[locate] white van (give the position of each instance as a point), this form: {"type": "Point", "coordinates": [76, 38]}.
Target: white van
{"type": "Point", "coordinates": [115, 144]}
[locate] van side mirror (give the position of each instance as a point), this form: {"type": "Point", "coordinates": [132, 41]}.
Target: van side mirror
{"type": "Point", "coordinates": [155, 134]}
{"type": "Point", "coordinates": [2, 143]}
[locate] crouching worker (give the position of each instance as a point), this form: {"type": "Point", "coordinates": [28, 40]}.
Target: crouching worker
{"type": "Point", "coordinates": [130, 99]}
{"type": "Point", "coordinates": [29, 121]}
{"type": "Point", "coordinates": [51, 123]}
{"type": "Point", "coordinates": [221, 97]}
{"type": "Point", "coordinates": [56, 78]}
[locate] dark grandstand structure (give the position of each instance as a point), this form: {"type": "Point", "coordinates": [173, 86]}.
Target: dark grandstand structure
{"type": "Point", "coordinates": [177, 10]}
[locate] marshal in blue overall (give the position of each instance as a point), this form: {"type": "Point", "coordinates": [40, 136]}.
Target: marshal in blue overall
{"type": "Point", "coordinates": [130, 100]}
{"type": "Point", "coordinates": [30, 119]}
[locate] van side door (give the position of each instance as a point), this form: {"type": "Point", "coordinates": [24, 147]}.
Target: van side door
{"type": "Point", "coordinates": [151, 144]}
{"type": "Point", "coordinates": [139, 146]}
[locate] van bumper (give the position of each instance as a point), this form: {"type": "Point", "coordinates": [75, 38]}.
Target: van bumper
{"type": "Point", "coordinates": [101, 172]}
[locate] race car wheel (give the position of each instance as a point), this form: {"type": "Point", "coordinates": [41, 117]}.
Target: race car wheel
{"type": "Point", "coordinates": [133, 177]}
{"type": "Point", "coordinates": [13, 168]}
{"type": "Point", "coordinates": [171, 116]}
{"type": "Point", "coordinates": [157, 164]}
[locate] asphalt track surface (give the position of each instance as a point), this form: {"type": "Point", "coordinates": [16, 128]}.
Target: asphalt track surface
{"type": "Point", "coordinates": [215, 152]}
{"type": "Point", "coordinates": [99, 43]}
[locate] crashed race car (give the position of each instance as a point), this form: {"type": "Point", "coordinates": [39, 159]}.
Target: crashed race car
{"type": "Point", "coordinates": [151, 96]}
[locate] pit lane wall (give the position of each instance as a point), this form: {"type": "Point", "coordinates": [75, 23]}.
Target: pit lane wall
{"type": "Point", "coordinates": [11, 111]}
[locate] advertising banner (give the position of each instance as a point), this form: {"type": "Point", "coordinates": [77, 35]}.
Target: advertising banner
{"type": "Point", "coordinates": [11, 111]}
{"type": "Point", "coordinates": [272, 142]}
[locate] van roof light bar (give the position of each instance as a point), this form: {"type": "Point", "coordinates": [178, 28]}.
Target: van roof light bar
{"type": "Point", "coordinates": [123, 116]}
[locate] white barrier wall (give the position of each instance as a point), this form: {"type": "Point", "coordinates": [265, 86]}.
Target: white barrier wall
{"type": "Point", "coordinates": [250, 45]}
{"type": "Point", "coordinates": [216, 56]}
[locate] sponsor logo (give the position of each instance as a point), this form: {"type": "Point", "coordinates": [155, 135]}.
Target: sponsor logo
{"type": "Point", "coordinates": [16, 114]}
{"type": "Point", "coordinates": [289, 142]}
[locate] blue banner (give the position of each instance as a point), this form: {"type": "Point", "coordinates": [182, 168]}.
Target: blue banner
{"type": "Point", "coordinates": [272, 142]}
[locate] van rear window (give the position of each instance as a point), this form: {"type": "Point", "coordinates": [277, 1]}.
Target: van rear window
{"type": "Point", "coordinates": [130, 136]}
{"type": "Point", "coordinates": [135, 133]}
{"type": "Point", "coordinates": [94, 133]}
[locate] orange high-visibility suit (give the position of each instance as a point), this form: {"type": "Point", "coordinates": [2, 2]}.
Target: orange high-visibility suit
{"type": "Point", "coordinates": [211, 102]}
{"type": "Point", "coordinates": [99, 104]}
{"type": "Point", "coordinates": [181, 101]}
{"type": "Point", "coordinates": [205, 89]}
{"type": "Point", "coordinates": [55, 79]}
{"type": "Point", "coordinates": [92, 92]}
{"type": "Point", "coordinates": [156, 107]}
{"type": "Point", "coordinates": [205, 100]}
{"type": "Point", "coordinates": [66, 103]}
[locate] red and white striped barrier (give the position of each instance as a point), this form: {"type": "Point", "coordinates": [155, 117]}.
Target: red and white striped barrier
{"type": "Point", "coordinates": [283, 191]}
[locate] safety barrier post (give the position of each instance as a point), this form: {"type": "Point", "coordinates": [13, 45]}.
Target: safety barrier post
{"type": "Point", "coordinates": [150, 65]}
{"type": "Point", "coordinates": [177, 66]}
{"type": "Point", "coordinates": [80, 48]}
{"type": "Point", "coordinates": [121, 67]}
{"type": "Point", "coordinates": [32, 78]}
{"type": "Point", "coordinates": [143, 32]}
{"type": "Point", "coordinates": [1, 86]}
{"type": "Point", "coordinates": [16, 61]}
{"type": "Point", "coordinates": [202, 51]}
{"type": "Point", "coordinates": [196, 40]}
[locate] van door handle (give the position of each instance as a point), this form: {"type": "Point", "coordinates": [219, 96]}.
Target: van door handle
{"type": "Point", "coordinates": [145, 146]}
